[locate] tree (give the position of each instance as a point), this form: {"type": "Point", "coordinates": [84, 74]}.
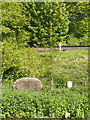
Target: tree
{"type": "Point", "coordinates": [78, 16]}
{"type": "Point", "coordinates": [48, 21]}
{"type": "Point", "coordinates": [13, 23]}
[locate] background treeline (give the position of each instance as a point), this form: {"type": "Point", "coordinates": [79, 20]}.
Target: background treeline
{"type": "Point", "coordinates": [45, 23]}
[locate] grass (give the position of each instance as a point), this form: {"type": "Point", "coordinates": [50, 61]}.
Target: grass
{"type": "Point", "coordinates": [66, 66]}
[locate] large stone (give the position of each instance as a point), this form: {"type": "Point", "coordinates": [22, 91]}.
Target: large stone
{"type": "Point", "coordinates": [28, 84]}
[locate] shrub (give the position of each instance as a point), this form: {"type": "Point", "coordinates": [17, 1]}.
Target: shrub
{"type": "Point", "coordinates": [19, 62]}
{"type": "Point", "coordinates": [62, 103]}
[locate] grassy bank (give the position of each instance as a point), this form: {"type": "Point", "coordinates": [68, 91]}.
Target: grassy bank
{"type": "Point", "coordinates": [60, 102]}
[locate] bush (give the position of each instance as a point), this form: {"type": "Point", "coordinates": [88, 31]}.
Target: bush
{"type": "Point", "coordinates": [20, 62]}
{"type": "Point", "coordinates": [62, 103]}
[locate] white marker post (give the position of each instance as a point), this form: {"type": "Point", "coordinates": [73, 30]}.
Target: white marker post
{"type": "Point", "coordinates": [69, 84]}
{"type": "Point", "coordinates": [60, 44]}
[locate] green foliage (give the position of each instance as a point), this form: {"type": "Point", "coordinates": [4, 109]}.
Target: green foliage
{"type": "Point", "coordinates": [66, 66]}
{"type": "Point", "coordinates": [20, 62]}
{"type": "Point", "coordinates": [48, 21]}
{"type": "Point", "coordinates": [45, 23]}
{"type": "Point", "coordinates": [79, 16]}
{"type": "Point", "coordinates": [70, 40]}
{"type": "Point", "coordinates": [62, 103]}
{"type": "Point", "coordinates": [60, 66]}
{"type": "Point", "coordinates": [13, 23]}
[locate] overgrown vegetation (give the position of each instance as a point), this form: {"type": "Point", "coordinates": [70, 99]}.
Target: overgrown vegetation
{"type": "Point", "coordinates": [59, 66]}
{"type": "Point", "coordinates": [60, 102]}
{"type": "Point", "coordinates": [45, 24]}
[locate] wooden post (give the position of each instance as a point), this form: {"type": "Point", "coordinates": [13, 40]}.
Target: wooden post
{"type": "Point", "coordinates": [60, 44]}
{"type": "Point", "coordinates": [52, 83]}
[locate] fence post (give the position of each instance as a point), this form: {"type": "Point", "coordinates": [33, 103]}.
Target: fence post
{"type": "Point", "coordinates": [52, 83]}
{"type": "Point", "coordinates": [69, 84]}
{"type": "Point", "coordinates": [60, 44]}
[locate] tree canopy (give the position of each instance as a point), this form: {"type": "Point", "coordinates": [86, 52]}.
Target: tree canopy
{"type": "Point", "coordinates": [45, 24]}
